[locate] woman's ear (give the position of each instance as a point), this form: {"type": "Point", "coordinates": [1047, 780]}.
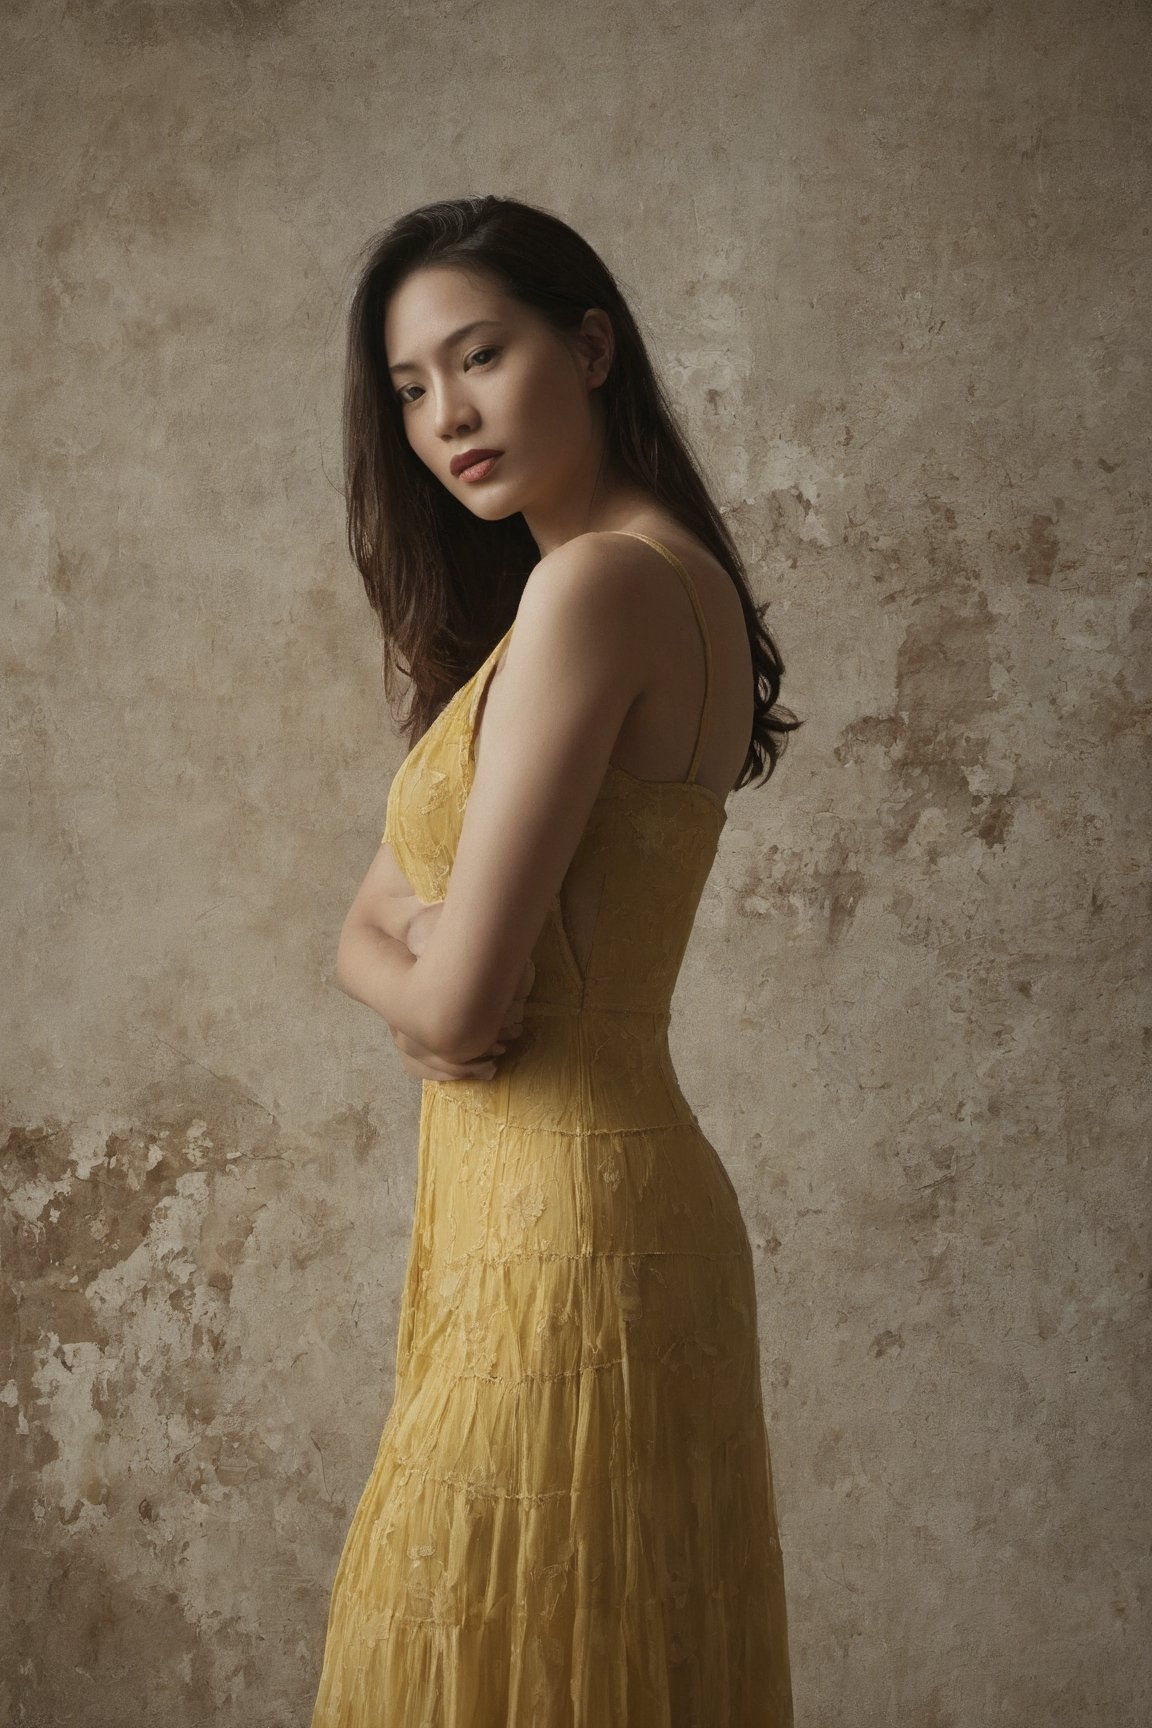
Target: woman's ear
{"type": "Point", "coordinates": [596, 346]}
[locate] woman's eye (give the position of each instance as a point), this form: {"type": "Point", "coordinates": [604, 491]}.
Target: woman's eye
{"type": "Point", "coordinates": [479, 357]}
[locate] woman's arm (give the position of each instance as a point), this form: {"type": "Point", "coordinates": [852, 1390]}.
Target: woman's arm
{"type": "Point", "coordinates": [373, 950]}
{"type": "Point", "coordinates": [429, 1064]}
{"type": "Point", "coordinates": [387, 907]}
{"type": "Point", "coordinates": [385, 900]}
{"type": "Point", "coordinates": [574, 665]}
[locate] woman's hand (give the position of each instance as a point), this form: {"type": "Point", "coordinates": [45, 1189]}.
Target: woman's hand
{"type": "Point", "coordinates": [425, 1063]}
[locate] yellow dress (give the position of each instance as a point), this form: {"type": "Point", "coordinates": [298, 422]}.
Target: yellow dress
{"type": "Point", "coordinates": [571, 1520]}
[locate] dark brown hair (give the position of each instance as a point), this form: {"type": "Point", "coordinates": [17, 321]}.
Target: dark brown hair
{"type": "Point", "coordinates": [444, 584]}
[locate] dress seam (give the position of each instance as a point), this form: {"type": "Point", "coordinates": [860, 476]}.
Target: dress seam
{"type": "Point", "coordinates": [585, 1132]}
{"type": "Point", "coordinates": [593, 1254]}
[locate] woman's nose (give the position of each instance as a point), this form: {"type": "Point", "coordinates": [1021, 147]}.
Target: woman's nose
{"type": "Point", "coordinates": [453, 416]}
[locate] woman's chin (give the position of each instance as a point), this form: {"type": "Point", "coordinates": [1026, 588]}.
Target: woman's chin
{"type": "Point", "coordinates": [494, 507]}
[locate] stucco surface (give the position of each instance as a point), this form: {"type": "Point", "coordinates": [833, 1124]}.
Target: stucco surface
{"type": "Point", "coordinates": [893, 260]}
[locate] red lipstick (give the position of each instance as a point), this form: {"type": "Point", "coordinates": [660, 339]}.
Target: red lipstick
{"type": "Point", "coordinates": [475, 464]}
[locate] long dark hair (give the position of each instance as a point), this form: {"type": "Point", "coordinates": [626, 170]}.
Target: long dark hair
{"type": "Point", "coordinates": [444, 584]}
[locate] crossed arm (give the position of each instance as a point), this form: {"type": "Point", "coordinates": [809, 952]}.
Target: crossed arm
{"type": "Point", "coordinates": [388, 923]}
{"type": "Point", "coordinates": [450, 978]}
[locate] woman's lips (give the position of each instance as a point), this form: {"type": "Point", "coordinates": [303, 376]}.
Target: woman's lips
{"type": "Point", "coordinates": [479, 470]}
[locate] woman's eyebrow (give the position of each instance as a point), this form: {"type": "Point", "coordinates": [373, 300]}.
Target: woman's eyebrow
{"type": "Point", "coordinates": [448, 342]}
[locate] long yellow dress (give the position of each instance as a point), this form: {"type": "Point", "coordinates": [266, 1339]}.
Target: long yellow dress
{"type": "Point", "coordinates": [571, 1520]}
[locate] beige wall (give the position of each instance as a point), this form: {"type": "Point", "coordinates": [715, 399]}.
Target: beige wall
{"type": "Point", "coordinates": [894, 261]}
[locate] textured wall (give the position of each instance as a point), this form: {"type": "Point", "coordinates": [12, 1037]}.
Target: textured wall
{"type": "Point", "coordinates": [891, 259]}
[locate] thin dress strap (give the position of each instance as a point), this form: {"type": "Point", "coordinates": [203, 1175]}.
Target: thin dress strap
{"type": "Point", "coordinates": [702, 729]}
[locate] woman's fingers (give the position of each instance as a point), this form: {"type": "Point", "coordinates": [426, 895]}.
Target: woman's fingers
{"type": "Point", "coordinates": [514, 1019]}
{"type": "Point", "coordinates": [513, 1023]}
{"type": "Point", "coordinates": [425, 1069]}
{"type": "Point", "coordinates": [448, 1071]}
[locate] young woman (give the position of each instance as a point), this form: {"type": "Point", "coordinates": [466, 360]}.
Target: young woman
{"type": "Point", "coordinates": [571, 1518]}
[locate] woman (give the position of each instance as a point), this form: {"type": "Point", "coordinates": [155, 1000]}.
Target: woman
{"type": "Point", "coordinates": [571, 1516]}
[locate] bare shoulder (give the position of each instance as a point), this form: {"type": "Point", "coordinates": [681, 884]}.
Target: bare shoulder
{"type": "Point", "coordinates": [599, 581]}
{"type": "Point", "coordinates": [578, 656]}
{"type": "Point", "coordinates": [596, 569]}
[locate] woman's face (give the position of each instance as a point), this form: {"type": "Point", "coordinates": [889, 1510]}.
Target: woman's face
{"type": "Point", "coordinates": [475, 370]}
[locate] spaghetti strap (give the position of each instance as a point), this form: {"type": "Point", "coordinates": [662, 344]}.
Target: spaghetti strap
{"type": "Point", "coordinates": [705, 709]}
